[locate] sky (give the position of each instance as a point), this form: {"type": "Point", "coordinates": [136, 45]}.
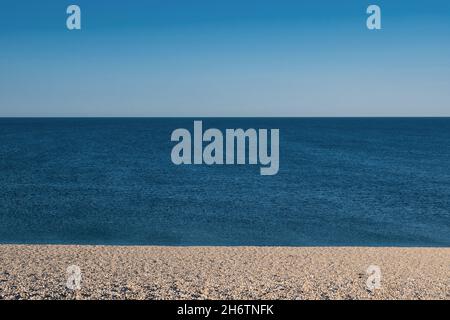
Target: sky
{"type": "Point", "coordinates": [204, 58]}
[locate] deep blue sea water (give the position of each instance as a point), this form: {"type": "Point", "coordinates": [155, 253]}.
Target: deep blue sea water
{"type": "Point", "coordinates": [342, 181]}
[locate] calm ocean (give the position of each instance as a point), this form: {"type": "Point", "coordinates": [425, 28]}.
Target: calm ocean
{"type": "Point", "coordinates": [342, 181]}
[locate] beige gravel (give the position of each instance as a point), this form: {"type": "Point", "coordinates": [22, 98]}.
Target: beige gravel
{"type": "Point", "coordinates": [114, 272]}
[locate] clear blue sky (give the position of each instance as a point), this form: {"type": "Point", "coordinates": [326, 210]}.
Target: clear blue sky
{"type": "Point", "coordinates": [224, 58]}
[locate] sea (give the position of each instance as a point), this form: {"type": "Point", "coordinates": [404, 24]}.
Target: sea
{"type": "Point", "coordinates": [111, 181]}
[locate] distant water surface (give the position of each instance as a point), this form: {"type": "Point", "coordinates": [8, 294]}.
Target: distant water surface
{"type": "Point", "coordinates": [342, 181]}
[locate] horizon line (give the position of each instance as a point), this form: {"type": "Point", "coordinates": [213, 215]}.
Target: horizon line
{"type": "Point", "coordinates": [224, 117]}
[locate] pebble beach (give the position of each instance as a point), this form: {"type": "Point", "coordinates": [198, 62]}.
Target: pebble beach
{"type": "Point", "coordinates": [153, 272]}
